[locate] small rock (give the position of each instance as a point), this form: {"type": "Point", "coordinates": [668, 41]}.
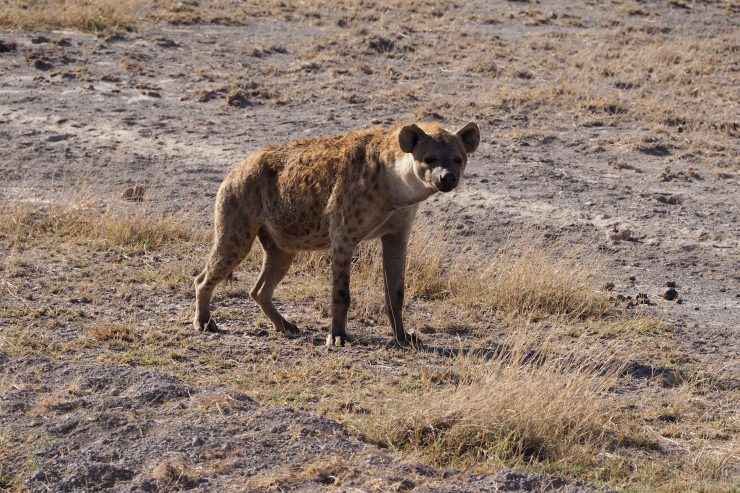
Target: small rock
{"type": "Point", "coordinates": [609, 286]}
{"type": "Point", "coordinates": [196, 441]}
{"type": "Point", "coordinates": [668, 199]}
{"type": "Point", "coordinates": [670, 284]}
{"type": "Point", "coordinates": [41, 64]}
{"type": "Point", "coordinates": [115, 37]}
{"type": "Point", "coordinates": [616, 235]}
{"type": "Point", "coordinates": [670, 294]}
{"type": "Point", "coordinates": [57, 138]}
{"type": "Point", "coordinates": [163, 42]}
{"type": "Point", "coordinates": [6, 47]}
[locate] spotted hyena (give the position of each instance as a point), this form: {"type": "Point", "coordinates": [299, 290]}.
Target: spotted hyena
{"type": "Point", "coordinates": [331, 193]}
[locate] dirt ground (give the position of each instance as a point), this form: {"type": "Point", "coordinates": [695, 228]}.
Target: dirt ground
{"type": "Point", "coordinates": [607, 125]}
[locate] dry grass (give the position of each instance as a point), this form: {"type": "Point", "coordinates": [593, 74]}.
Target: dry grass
{"type": "Point", "coordinates": [527, 277]}
{"type": "Point", "coordinates": [8, 480]}
{"type": "Point", "coordinates": [675, 84]}
{"type": "Point", "coordinates": [530, 409]}
{"type": "Point", "coordinates": [519, 406]}
{"type": "Point", "coordinates": [88, 15]}
{"type": "Point", "coordinates": [329, 471]}
{"type": "Point", "coordinates": [176, 473]}
{"type": "Point", "coordinates": [548, 397]}
{"type": "Point", "coordinates": [80, 217]}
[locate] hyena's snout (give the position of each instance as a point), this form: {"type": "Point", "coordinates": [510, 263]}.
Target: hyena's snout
{"type": "Point", "coordinates": [445, 180]}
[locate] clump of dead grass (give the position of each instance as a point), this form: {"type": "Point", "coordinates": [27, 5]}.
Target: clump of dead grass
{"type": "Point", "coordinates": [90, 15]}
{"type": "Point", "coordinates": [518, 405]}
{"type": "Point", "coordinates": [326, 471]}
{"type": "Point", "coordinates": [176, 472]}
{"type": "Point", "coordinates": [530, 276]}
{"type": "Point", "coordinates": [221, 402]}
{"type": "Point", "coordinates": [139, 226]}
{"type": "Point", "coordinates": [527, 276]}
{"type": "Point", "coordinates": [116, 332]}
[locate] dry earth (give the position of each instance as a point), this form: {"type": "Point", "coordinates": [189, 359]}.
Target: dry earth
{"type": "Point", "coordinates": [612, 126]}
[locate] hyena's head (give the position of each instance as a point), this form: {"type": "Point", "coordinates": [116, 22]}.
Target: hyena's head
{"type": "Point", "coordinates": [439, 156]}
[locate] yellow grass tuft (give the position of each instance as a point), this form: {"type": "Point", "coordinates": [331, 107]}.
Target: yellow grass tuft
{"type": "Point", "coordinates": [329, 471]}
{"type": "Point", "coordinates": [517, 405]}
{"type": "Point", "coordinates": [87, 15]}
{"type": "Point", "coordinates": [531, 277]}
{"type": "Point", "coordinates": [526, 277]}
{"type": "Point", "coordinates": [176, 473]}
{"type": "Point", "coordinates": [80, 218]}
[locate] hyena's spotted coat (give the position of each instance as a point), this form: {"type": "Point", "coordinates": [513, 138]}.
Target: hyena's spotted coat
{"type": "Point", "coordinates": [331, 193]}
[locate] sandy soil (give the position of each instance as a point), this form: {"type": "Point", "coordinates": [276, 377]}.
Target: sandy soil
{"type": "Point", "coordinates": [173, 107]}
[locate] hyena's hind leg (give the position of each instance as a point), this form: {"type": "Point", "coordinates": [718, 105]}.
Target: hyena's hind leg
{"type": "Point", "coordinates": [275, 265]}
{"type": "Point", "coordinates": [229, 249]}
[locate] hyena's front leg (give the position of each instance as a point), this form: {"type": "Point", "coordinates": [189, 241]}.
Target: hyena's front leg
{"type": "Point", "coordinates": [394, 272]}
{"type": "Point", "coordinates": [341, 262]}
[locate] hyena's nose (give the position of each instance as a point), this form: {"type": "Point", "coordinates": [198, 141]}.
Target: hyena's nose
{"type": "Point", "coordinates": [447, 182]}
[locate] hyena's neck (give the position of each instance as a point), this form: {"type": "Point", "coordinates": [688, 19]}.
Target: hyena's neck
{"type": "Point", "coordinates": [403, 186]}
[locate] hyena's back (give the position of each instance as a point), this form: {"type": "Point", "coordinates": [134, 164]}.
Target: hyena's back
{"type": "Point", "coordinates": [292, 190]}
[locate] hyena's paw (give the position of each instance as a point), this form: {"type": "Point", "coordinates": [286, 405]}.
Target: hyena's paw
{"type": "Point", "coordinates": [208, 326]}
{"type": "Point", "coordinates": [336, 340]}
{"type": "Point", "coordinates": [289, 329]}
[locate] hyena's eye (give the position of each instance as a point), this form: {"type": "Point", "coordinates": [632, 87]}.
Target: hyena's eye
{"type": "Point", "coordinates": [457, 160]}
{"type": "Point", "coordinates": [430, 159]}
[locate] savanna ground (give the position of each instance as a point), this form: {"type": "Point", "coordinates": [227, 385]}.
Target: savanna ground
{"type": "Point", "coordinates": [608, 169]}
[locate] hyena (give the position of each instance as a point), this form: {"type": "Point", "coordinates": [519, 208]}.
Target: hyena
{"type": "Point", "coordinates": [331, 193]}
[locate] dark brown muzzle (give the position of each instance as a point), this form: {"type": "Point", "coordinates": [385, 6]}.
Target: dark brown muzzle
{"type": "Point", "coordinates": [447, 181]}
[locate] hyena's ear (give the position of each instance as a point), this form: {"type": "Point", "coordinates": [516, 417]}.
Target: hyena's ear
{"type": "Point", "coordinates": [469, 135]}
{"type": "Point", "coordinates": [409, 137]}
